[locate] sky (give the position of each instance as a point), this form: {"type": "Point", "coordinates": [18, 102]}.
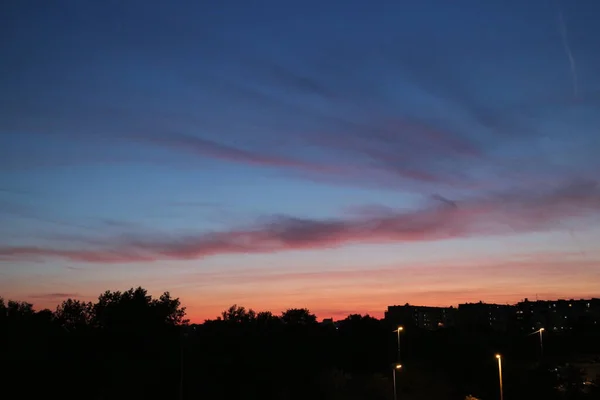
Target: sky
{"type": "Point", "coordinates": [341, 156]}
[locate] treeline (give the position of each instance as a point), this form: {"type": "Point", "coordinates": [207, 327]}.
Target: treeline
{"type": "Point", "coordinates": [128, 345]}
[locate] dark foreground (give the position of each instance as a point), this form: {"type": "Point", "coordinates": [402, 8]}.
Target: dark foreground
{"type": "Point", "coordinates": [130, 346]}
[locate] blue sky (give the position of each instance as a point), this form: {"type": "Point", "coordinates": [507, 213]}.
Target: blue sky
{"type": "Point", "coordinates": [185, 146]}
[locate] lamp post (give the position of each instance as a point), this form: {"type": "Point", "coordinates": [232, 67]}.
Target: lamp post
{"type": "Point", "coordinates": [396, 367]}
{"type": "Point", "coordinates": [540, 332]}
{"type": "Point", "coordinates": [541, 343]}
{"type": "Point", "coordinates": [500, 375]}
{"type": "Point", "coordinates": [398, 330]}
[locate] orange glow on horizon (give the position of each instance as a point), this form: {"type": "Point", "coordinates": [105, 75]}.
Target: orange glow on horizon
{"type": "Point", "coordinates": [334, 292]}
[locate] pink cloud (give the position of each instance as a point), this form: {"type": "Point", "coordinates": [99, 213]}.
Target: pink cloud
{"type": "Point", "coordinates": [517, 211]}
{"type": "Point", "coordinates": [54, 296]}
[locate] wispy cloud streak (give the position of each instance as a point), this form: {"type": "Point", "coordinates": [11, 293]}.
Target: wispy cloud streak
{"type": "Point", "coordinates": [213, 149]}
{"type": "Point", "coordinates": [565, 41]}
{"type": "Point", "coordinates": [360, 142]}
{"type": "Point", "coordinates": [54, 296]}
{"type": "Point", "coordinates": [512, 212]}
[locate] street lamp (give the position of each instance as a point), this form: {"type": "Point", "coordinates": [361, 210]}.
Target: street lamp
{"type": "Point", "coordinates": [541, 343]}
{"type": "Point", "coordinates": [540, 331]}
{"type": "Point", "coordinates": [398, 330]}
{"type": "Point", "coordinates": [500, 375]}
{"type": "Point", "coordinates": [396, 366]}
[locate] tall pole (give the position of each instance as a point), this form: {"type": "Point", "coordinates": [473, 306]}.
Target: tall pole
{"type": "Point", "coordinates": [398, 359]}
{"type": "Point", "coordinates": [541, 343]}
{"type": "Point", "coordinates": [500, 375]}
{"type": "Point", "coordinates": [398, 333]}
{"type": "Point", "coordinates": [394, 375]}
{"type": "Point", "coordinates": [394, 368]}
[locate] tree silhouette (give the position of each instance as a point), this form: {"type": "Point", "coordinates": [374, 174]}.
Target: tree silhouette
{"type": "Point", "coordinates": [129, 345]}
{"type": "Point", "coordinates": [169, 310]}
{"type": "Point", "coordinates": [298, 316]}
{"type": "Point", "coordinates": [3, 313]}
{"type": "Point", "coordinates": [19, 310]}
{"type": "Point", "coordinates": [135, 309]}
{"type": "Point", "coordinates": [74, 314]}
{"type": "Point", "coordinates": [237, 314]}
{"type": "Point", "coordinates": [266, 320]}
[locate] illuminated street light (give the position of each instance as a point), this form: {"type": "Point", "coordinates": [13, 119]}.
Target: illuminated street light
{"type": "Point", "coordinates": [500, 375]}
{"type": "Point", "coordinates": [541, 343]}
{"type": "Point", "coordinates": [396, 367]}
{"type": "Point", "coordinates": [398, 330]}
{"type": "Point", "coordinates": [540, 331]}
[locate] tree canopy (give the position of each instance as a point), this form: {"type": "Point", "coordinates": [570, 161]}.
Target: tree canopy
{"type": "Point", "coordinates": [130, 345]}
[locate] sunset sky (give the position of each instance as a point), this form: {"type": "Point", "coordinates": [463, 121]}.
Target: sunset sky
{"type": "Point", "coordinates": [337, 155]}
